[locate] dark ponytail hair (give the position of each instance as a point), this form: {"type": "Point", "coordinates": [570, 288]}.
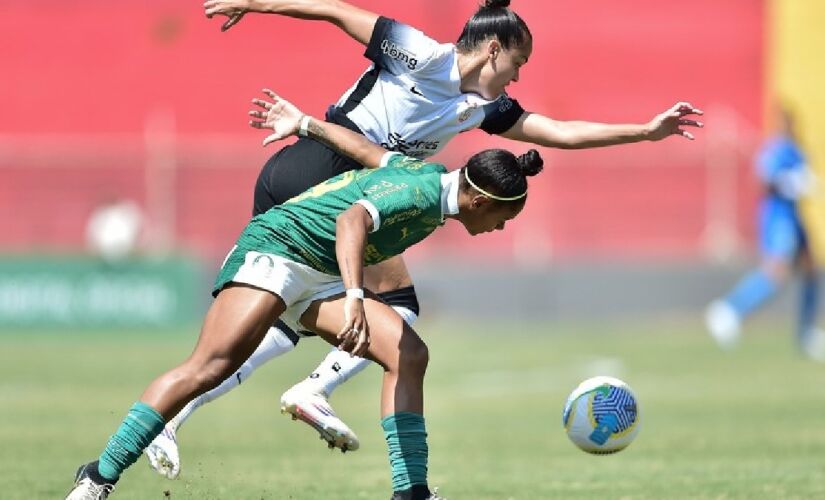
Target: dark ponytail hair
{"type": "Point", "coordinates": [494, 19]}
{"type": "Point", "coordinates": [501, 173]}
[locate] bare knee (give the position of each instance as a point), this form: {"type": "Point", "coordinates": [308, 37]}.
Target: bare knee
{"type": "Point", "coordinates": [414, 355]}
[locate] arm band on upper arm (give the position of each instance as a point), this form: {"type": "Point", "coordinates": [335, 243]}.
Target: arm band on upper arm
{"type": "Point", "coordinates": [500, 115]}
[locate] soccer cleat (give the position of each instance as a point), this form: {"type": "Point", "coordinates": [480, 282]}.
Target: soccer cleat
{"type": "Point", "coordinates": [813, 345]}
{"type": "Point", "coordinates": [163, 454]}
{"type": "Point", "coordinates": [89, 485]}
{"type": "Point", "coordinates": [723, 324]}
{"type": "Point", "coordinates": [417, 492]}
{"type": "Point", "coordinates": [313, 409]}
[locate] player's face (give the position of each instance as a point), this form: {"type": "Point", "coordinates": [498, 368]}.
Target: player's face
{"type": "Point", "coordinates": [491, 216]}
{"type": "Point", "coordinates": [503, 67]}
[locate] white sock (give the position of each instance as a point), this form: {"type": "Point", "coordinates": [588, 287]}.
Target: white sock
{"type": "Point", "coordinates": [273, 345]}
{"type": "Point", "coordinates": [340, 366]}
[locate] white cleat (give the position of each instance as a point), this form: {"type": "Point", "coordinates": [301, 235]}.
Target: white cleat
{"type": "Point", "coordinates": [86, 488]}
{"type": "Point", "coordinates": [813, 345]}
{"type": "Point", "coordinates": [163, 454]}
{"type": "Point", "coordinates": [313, 409]}
{"type": "Point", "coordinates": [723, 324]}
{"type": "Point", "coordinates": [434, 495]}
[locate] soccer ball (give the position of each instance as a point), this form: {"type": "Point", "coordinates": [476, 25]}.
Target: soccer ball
{"type": "Point", "coordinates": [601, 415]}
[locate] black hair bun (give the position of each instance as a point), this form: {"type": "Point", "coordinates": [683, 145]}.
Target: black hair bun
{"type": "Point", "coordinates": [496, 4]}
{"type": "Point", "coordinates": [530, 163]}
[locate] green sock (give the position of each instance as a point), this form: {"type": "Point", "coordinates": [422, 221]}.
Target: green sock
{"type": "Point", "coordinates": [141, 425]}
{"type": "Point", "coordinates": [407, 443]}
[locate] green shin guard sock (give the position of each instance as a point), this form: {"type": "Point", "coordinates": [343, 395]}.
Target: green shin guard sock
{"type": "Point", "coordinates": [141, 425]}
{"type": "Point", "coordinates": [407, 445]}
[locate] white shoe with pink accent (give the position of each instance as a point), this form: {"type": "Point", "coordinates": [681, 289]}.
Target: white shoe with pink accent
{"type": "Point", "coordinates": [312, 408]}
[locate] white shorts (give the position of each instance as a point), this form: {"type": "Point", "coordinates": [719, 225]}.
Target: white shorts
{"type": "Point", "coordinates": [297, 284]}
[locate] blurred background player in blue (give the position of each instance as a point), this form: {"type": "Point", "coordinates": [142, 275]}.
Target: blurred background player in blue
{"type": "Point", "coordinates": [783, 245]}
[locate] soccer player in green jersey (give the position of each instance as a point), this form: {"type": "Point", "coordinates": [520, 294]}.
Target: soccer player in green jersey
{"type": "Point", "coordinates": [303, 262]}
{"type": "Point", "coordinates": [416, 95]}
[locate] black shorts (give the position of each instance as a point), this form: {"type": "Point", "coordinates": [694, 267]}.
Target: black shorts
{"type": "Point", "coordinates": [296, 168]}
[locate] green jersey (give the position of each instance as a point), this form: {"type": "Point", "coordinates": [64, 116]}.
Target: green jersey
{"type": "Point", "coordinates": [403, 198]}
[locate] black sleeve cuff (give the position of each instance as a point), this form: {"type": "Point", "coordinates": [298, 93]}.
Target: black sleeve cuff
{"type": "Point", "coordinates": [379, 33]}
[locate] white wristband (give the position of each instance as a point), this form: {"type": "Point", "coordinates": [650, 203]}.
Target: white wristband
{"type": "Point", "coordinates": [355, 293]}
{"type": "Point", "coordinates": [303, 129]}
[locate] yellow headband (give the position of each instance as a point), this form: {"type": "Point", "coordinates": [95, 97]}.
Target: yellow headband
{"type": "Point", "coordinates": [490, 195]}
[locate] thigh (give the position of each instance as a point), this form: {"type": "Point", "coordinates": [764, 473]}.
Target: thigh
{"type": "Point", "coordinates": [389, 334]}
{"type": "Point", "coordinates": [236, 323]}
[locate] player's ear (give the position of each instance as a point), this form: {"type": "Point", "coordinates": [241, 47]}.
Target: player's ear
{"type": "Point", "coordinates": [493, 48]}
{"type": "Point", "coordinates": [479, 201]}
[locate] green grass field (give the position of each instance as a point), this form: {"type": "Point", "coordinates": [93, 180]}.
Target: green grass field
{"type": "Point", "coordinates": [744, 425]}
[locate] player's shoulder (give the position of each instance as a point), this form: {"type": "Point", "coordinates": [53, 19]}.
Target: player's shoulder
{"type": "Point", "coordinates": [412, 164]}
{"type": "Point", "coordinates": [394, 159]}
{"type": "Point", "coordinates": [401, 48]}
{"type": "Point", "coordinates": [502, 104]}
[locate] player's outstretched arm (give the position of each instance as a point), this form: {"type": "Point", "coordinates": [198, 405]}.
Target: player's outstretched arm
{"type": "Point", "coordinates": [357, 23]}
{"type": "Point", "coordinates": [286, 120]}
{"type": "Point", "coordinates": [539, 129]}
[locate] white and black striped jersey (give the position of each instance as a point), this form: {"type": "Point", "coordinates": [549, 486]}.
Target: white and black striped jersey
{"type": "Point", "coordinates": [410, 99]}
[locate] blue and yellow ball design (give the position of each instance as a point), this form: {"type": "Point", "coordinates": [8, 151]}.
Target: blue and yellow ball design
{"type": "Point", "coordinates": [601, 415]}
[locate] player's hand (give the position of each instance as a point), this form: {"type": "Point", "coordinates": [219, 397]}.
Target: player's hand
{"type": "Point", "coordinates": [355, 335]}
{"type": "Point", "coordinates": [671, 122]}
{"type": "Point", "coordinates": [278, 114]}
{"type": "Point", "coordinates": [233, 9]}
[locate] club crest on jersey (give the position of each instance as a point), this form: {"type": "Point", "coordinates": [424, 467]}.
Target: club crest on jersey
{"type": "Point", "coordinates": [394, 51]}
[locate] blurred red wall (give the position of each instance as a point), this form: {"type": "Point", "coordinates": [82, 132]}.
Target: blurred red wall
{"type": "Point", "coordinates": [84, 82]}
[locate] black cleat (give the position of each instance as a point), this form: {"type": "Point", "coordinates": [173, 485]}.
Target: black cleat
{"type": "Point", "coordinates": [417, 492]}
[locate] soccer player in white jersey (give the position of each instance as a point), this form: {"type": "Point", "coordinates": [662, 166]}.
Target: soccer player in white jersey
{"type": "Point", "coordinates": [416, 96]}
{"type": "Point", "coordinates": [303, 261]}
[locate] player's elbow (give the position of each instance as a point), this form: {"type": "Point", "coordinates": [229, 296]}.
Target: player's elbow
{"type": "Point", "coordinates": [565, 137]}
{"type": "Point", "coordinates": [354, 220]}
